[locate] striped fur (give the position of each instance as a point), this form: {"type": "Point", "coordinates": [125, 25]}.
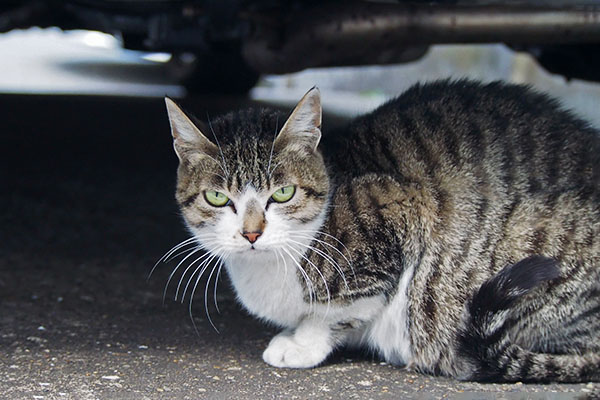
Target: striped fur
{"type": "Point", "coordinates": [485, 197]}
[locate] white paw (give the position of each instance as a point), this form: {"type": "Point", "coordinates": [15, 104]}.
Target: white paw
{"type": "Point", "coordinates": [286, 351]}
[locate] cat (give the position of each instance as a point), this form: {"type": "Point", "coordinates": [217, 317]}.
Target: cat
{"type": "Point", "coordinates": [454, 230]}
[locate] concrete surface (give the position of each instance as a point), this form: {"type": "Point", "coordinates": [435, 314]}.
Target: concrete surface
{"type": "Point", "coordinates": [86, 209]}
{"type": "Point", "coordinates": [52, 61]}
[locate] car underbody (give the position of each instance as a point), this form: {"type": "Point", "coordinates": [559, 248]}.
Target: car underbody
{"type": "Point", "coordinates": [239, 40]}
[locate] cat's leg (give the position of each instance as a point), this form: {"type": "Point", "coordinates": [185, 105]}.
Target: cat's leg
{"type": "Point", "coordinates": [317, 335]}
{"type": "Point", "coordinates": [306, 346]}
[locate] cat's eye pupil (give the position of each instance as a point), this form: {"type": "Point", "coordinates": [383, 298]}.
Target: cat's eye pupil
{"type": "Point", "coordinates": [283, 194]}
{"type": "Point", "coordinates": [216, 199]}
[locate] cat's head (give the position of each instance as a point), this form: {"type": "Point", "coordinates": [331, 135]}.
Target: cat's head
{"type": "Point", "coordinates": [250, 180]}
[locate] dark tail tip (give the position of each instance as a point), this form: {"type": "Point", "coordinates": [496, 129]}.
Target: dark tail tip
{"type": "Point", "coordinates": [513, 281]}
{"type": "Point", "coordinates": [531, 272]}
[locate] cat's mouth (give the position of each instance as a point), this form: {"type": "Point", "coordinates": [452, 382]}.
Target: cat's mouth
{"type": "Point", "coordinates": [256, 250]}
{"type": "Point", "coordinates": [253, 250]}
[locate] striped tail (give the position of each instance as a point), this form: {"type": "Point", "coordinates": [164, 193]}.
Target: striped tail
{"type": "Point", "coordinates": [485, 344]}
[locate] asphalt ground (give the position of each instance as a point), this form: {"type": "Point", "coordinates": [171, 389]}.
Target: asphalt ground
{"type": "Point", "coordinates": [86, 209]}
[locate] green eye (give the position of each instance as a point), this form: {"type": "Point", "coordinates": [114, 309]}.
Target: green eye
{"type": "Point", "coordinates": [284, 194]}
{"type": "Point", "coordinates": [215, 198]}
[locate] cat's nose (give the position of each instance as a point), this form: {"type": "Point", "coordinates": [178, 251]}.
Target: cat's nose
{"type": "Point", "coordinates": [251, 236]}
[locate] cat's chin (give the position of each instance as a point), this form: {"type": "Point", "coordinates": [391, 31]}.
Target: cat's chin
{"type": "Point", "coordinates": [254, 252]}
{"type": "Point", "coordinates": [253, 257]}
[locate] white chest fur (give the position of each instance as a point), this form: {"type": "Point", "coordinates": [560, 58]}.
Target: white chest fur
{"type": "Point", "coordinates": [269, 288]}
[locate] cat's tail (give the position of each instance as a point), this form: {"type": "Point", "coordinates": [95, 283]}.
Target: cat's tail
{"type": "Point", "coordinates": [486, 347]}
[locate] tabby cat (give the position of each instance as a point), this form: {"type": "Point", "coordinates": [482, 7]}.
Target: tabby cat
{"type": "Point", "coordinates": [454, 230]}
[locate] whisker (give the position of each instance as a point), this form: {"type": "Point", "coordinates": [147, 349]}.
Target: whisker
{"type": "Point", "coordinates": [307, 236]}
{"type": "Point", "coordinates": [174, 256]}
{"type": "Point", "coordinates": [323, 242]}
{"type": "Point", "coordinates": [278, 266]}
{"type": "Point", "coordinates": [274, 168]}
{"type": "Point", "coordinates": [272, 147]}
{"type": "Point", "coordinates": [285, 267]}
{"type": "Point", "coordinates": [202, 268]}
{"type": "Point", "coordinates": [206, 297]}
{"type": "Point", "coordinates": [216, 285]}
{"type": "Point", "coordinates": [175, 270]}
{"type": "Point", "coordinates": [327, 235]}
{"type": "Point", "coordinates": [197, 238]}
{"type": "Point", "coordinates": [318, 271]}
{"type": "Point", "coordinates": [218, 164]}
{"type": "Point", "coordinates": [186, 242]}
{"type": "Point", "coordinates": [218, 145]}
{"type": "Point", "coordinates": [192, 298]}
{"type": "Point", "coordinates": [214, 173]}
{"type": "Point", "coordinates": [206, 257]}
{"type": "Point", "coordinates": [309, 284]}
{"type": "Point", "coordinates": [328, 258]}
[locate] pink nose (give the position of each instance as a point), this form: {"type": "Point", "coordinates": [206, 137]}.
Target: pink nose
{"type": "Point", "coordinates": [251, 236]}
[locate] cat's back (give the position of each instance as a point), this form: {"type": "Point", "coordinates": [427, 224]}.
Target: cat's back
{"type": "Point", "coordinates": [495, 133]}
{"type": "Point", "coordinates": [466, 178]}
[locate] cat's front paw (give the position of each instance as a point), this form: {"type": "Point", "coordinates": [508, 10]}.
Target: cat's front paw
{"type": "Point", "coordinates": [288, 351]}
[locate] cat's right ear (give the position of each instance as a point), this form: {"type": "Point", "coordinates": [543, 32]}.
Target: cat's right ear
{"type": "Point", "coordinates": [302, 130]}
{"type": "Point", "coordinates": [186, 135]}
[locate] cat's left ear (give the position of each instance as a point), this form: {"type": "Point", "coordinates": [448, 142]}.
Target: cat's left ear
{"type": "Point", "coordinates": [303, 128]}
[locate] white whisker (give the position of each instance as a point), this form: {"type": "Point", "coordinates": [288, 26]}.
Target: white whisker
{"type": "Point", "coordinates": [175, 270]}
{"type": "Point", "coordinates": [186, 242]}
{"type": "Point", "coordinates": [216, 285]}
{"type": "Point", "coordinates": [318, 271]}
{"type": "Point", "coordinates": [278, 266]}
{"type": "Point", "coordinates": [206, 257]}
{"type": "Point", "coordinates": [202, 267]}
{"type": "Point", "coordinates": [206, 297]}
{"type": "Point", "coordinates": [329, 245]}
{"type": "Point", "coordinates": [309, 284]}
{"type": "Point", "coordinates": [328, 258]}
{"type": "Point", "coordinates": [216, 254]}
{"type": "Point", "coordinates": [285, 267]}
{"type": "Point", "coordinates": [182, 252]}
{"type": "Point", "coordinates": [323, 242]}
{"type": "Point", "coordinates": [272, 147]}
{"type": "Point", "coordinates": [219, 146]}
{"type": "Point", "coordinates": [274, 168]}
{"type": "Point", "coordinates": [327, 235]}
{"type": "Point", "coordinates": [214, 173]}
{"type": "Point", "coordinates": [219, 164]}
{"type": "Point", "coordinates": [166, 256]}
{"type": "Point", "coordinates": [307, 236]}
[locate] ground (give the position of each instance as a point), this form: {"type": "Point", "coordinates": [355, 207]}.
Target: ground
{"type": "Point", "coordinates": [86, 209]}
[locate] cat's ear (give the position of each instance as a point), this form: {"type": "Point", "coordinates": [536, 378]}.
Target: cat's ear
{"type": "Point", "coordinates": [303, 128]}
{"type": "Point", "coordinates": [186, 135]}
